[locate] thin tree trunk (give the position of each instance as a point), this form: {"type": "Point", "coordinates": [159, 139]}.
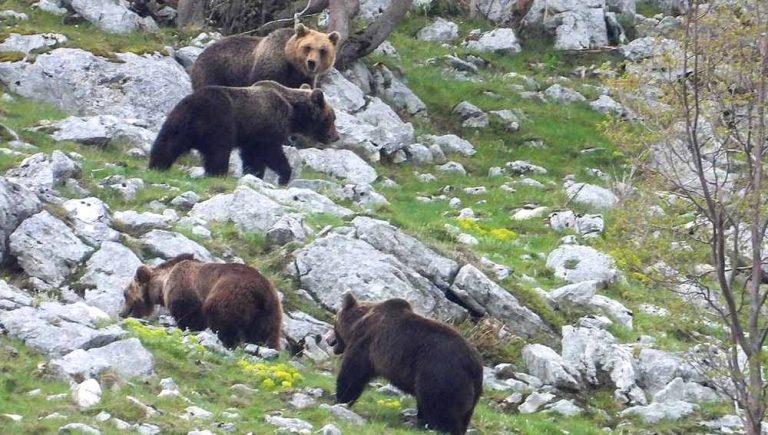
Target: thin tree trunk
{"type": "Point", "coordinates": [190, 13]}
{"type": "Point", "coordinates": [363, 43]}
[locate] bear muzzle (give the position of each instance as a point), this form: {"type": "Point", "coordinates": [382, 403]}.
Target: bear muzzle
{"type": "Point", "coordinates": [311, 65]}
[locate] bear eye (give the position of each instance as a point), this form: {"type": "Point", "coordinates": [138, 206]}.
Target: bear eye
{"type": "Point", "coordinates": [323, 52]}
{"type": "Point", "coordinates": [307, 49]}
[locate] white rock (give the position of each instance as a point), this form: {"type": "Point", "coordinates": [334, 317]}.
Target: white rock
{"type": "Point", "coordinates": [112, 16]}
{"type": "Point", "coordinates": [551, 368]}
{"type": "Point", "coordinates": [440, 30]}
{"type": "Point", "coordinates": [582, 263]}
{"type": "Point", "coordinates": [290, 425]}
{"type": "Point", "coordinates": [28, 43]}
{"type": "Point", "coordinates": [168, 244]}
{"type": "Point", "coordinates": [91, 220]}
{"type": "Point", "coordinates": [47, 249]}
{"type": "Point", "coordinates": [560, 94]}
{"type": "Point", "coordinates": [87, 394]}
{"type": "Point", "coordinates": [343, 164]}
{"type": "Point", "coordinates": [452, 168]}
{"type": "Point", "coordinates": [502, 41]}
{"type": "Point", "coordinates": [535, 401]}
{"type": "Point", "coordinates": [590, 195]}
{"type": "Point", "coordinates": [656, 412]}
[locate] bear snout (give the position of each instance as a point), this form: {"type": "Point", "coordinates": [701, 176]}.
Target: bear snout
{"type": "Point", "coordinates": [125, 312]}
{"type": "Point", "coordinates": [311, 65]}
{"type": "Point", "coordinates": [332, 137]}
{"type": "Point", "coordinates": [330, 339]}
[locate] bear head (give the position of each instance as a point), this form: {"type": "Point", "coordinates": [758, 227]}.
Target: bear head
{"type": "Point", "coordinates": [138, 302]}
{"type": "Point", "coordinates": [317, 119]}
{"type": "Point", "coordinates": [350, 313]}
{"type": "Point", "coordinates": [310, 51]}
{"type": "Point", "coordinates": [146, 289]}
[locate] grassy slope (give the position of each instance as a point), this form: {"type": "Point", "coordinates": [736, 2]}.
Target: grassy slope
{"type": "Point", "coordinates": [206, 378]}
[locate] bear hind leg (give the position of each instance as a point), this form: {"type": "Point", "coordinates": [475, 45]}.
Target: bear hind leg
{"type": "Point", "coordinates": [252, 162]}
{"type": "Point", "coordinates": [276, 160]}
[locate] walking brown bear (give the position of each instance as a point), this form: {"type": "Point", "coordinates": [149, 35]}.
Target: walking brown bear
{"type": "Point", "coordinates": [234, 300]}
{"type": "Point", "coordinates": [291, 57]}
{"type": "Point", "coordinates": [256, 119]}
{"type": "Point", "coordinates": [422, 357]}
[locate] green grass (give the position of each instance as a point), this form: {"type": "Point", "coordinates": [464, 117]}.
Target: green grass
{"type": "Point", "coordinates": [206, 378]}
{"type": "Point", "coordinates": [86, 36]}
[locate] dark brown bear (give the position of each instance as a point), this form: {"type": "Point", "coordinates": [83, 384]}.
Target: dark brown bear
{"type": "Point", "coordinates": [234, 300]}
{"type": "Point", "coordinates": [422, 357]}
{"type": "Point", "coordinates": [257, 119]}
{"type": "Point", "coordinates": [290, 57]}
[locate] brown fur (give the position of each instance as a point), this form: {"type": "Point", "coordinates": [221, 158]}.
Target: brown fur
{"type": "Point", "coordinates": [422, 357]}
{"type": "Point", "coordinates": [290, 57]}
{"type": "Point", "coordinates": [257, 120]}
{"type": "Point", "coordinates": [234, 300]}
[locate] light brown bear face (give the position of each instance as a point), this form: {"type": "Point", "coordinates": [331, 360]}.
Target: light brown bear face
{"type": "Point", "coordinates": [138, 302]}
{"type": "Point", "coordinates": [312, 52]}
{"type": "Point", "coordinates": [320, 124]}
{"type": "Point", "coordinates": [348, 315]}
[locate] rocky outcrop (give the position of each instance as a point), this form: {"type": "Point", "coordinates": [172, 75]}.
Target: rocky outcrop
{"type": "Point", "coordinates": [144, 87]}
{"type": "Point", "coordinates": [335, 264]}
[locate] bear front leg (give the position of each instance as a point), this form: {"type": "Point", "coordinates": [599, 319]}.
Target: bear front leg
{"type": "Point", "coordinates": [355, 373]}
{"type": "Point", "coordinates": [216, 162]}
{"type": "Point", "coordinates": [276, 160]}
{"type": "Point", "coordinates": [252, 162]}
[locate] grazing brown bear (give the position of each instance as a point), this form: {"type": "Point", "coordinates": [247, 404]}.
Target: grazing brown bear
{"type": "Point", "coordinates": [256, 119]}
{"type": "Point", "coordinates": [234, 300]}
{"type": "Point", "coordinates": [422, 357]}
{"type": "Point", "coordinates": [290, 57]}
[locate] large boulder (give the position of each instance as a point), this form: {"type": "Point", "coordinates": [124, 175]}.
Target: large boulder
{"type": "Point", "coordinates": [343, 164]}
{"type": "Point", "coordinates": [126, 358]}
{"type": "Point", "coordinates": [12, 298]}
{"type": "Point", "coordinates": [28, 43]}
{"type": "Point", "coordinates": [388, 239]}
{"type": "Point", "coordinates": [101, 130]}
{"type": "Point", "coordinates": [47, 249]}
{"type": "Point", "coordinates": [169, 244]}
{"type": "Point", "coordinates": [483, 296]}
{"type": "Point", "coordinates": [335, 264]}
{"type": "Point", "coordinates": [249, 210]}
{"type": "Point", "coordinates": [111, 16]}
{"type": "Point", "coordinates": [395, 93]}
{"type": "Point", "coordinates": [544, 363]}
{"type": "Point", "coordinates": [681, 390]}
{"type": "Point", "coordinates": [388, 133]}
{"type": "Point", "coordinates": [596, 354]}
{"type": "Point", "coordinates": [41, 172]}
{"type": "Point", "coordinates": [592, 196]}
{"type": "Point", "coordinates": [441, 30]}
{"type": "Point", "coordinates": [107, 273]}
{"type": "Point", "coordinates": [502, 41]}
{"type": "Point", "coordinates": [575, 264]}
{"type": "Point", "coordinates": [53, 331]}
{"type": "Point", "coordinates": [656, 412]}
{"type": "Point", "coordinates": [90, 220]}
{"type": "Point", "coordinates": [16, 204]}
{"type": "Point", "coordinates": [144, 87]}
{"type": "Point", "coordinates": [575, 24]}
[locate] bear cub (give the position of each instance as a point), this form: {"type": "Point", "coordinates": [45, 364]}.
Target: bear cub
{"type": "Point", "coordinates": [291, 57]}
{"type": "Point", "coordinates": [422, 357]}
{"type": "Point", "coordinates": [234, 300]}
{"type": "Point", "coordinates": [257, 120]}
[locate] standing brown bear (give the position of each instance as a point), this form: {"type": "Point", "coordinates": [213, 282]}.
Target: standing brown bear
{"type": "Point", "coordinates": [234, 300]}
{"type": "Point", "coordinates": [256, 119]}
{"type": "Point", "coordinates": [422, 357]}
{"type": "Point", "coordinates": [290, 57]}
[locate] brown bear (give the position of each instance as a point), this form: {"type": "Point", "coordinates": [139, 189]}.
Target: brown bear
{"type": "Point", "coordinates": [290, 57]}
{"type": "Point", "coordinates": [422, 357]}
{"type": "Point", "coordinates": [234, 300]}
{"type": "Point", "coordinates": [256, 119]}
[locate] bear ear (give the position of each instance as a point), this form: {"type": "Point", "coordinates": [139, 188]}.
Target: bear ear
{"type": "Point", "coordinates": [143, 274]}
{"type": "Point", "coordinates": [301, 30]}
{"type": "Point", "coordinates": [318, 98]}
{"type": "Point", "coordinates": [349, 301]}
{"type": "Point", "coordinates": [335, 37]}
{"type": "Point", "coordinates": [305, 86]}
